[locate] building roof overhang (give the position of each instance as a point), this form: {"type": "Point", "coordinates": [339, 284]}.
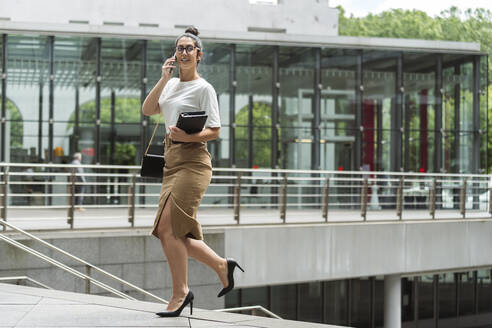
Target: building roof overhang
{"type": "Point", "coordinates": [265, 38]}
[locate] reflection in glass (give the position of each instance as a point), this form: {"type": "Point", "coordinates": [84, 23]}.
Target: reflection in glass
{"type": "Point", "coordinates": [447, 295]}
{"type": "Point", "coordinates": [418, 106]}
{"type": "Point", "coordinates": [27, 97]}
{"type": "Point", "coordinates": [214, 68]}
{"type": "Point", "coordinates": [284, 301]}
{"type": "Point", "coordinates": [75, 64]}
{"type": "Point", "coordinates": [426, 297]}
{"type": "Point", "coordinates": [448, 120]}
{"type": "Point", "coordinates": [484, 119]}
{"type": "Point", "coordinates": [379, 110]}
{"type": "Point", "coordinates": [467, 294]}
{"type": "Point", "coordinates": [408, 299]}
{"type": "Point", "coordinates": [121, 67]}
{"type": "Point", "coordinates": [121, 61]}
{"type": "Point", "coordinates": [484, 291]}
{"type": "Point", "coordinates": [361, 302]}
{"type": "Point", "coordinates": [310, 302]}
{"type": "Point", "coordinates": [255, 296]}
{"type": "Point", "coordinates": [338, 69]}
{"type": "Point", "coordinates": [1, 98]}
{"type": "Point", "coordinates": [296, 75]}
{"type": "Point", "coordinates": [379, 301]}
{"type": "Point", "coordinates": [336, 302]}
{"type": "Point", "coordinates": [466, 118]}
{"type": "Point", "coordinates": [253, 105]}
{"type": "Point", "coordinates": [232, 299]}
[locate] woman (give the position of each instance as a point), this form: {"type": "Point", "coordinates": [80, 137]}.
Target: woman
{"type": "Point", "coordinates": [187, 172]}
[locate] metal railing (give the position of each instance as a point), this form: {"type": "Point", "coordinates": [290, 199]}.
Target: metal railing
{"type": "Point", "coordinates": [323, 196]}
{"type": "Point", "coordinates": [253, 309]}
{"type": "Point", "coordinates": [19, 279]}
{"type": "Point", "coordinates": [89, 267]}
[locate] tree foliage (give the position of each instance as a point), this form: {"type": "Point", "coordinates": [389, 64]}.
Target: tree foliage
{"type": "Point", "coordinates": [16, 125]}
{"type": "Point", "coordinates": [471, 25]}
{"type": "Point", "coordinates": [451, 25]}
{"type": "Point", "coordinates": [127, 110]}
{"type": "Point", "coordinates": [262, 122]}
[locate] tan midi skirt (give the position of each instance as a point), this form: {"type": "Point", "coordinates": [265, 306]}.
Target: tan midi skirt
{"type": "Point", "coordinates": [186, 177]}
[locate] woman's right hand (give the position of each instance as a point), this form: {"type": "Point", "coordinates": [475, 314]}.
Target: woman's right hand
{"type": "Point", "coordinates": [168, 68]}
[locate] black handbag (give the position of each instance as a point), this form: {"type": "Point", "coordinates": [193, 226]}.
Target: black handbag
{"type": "Point", "coordinates": [152, 164]}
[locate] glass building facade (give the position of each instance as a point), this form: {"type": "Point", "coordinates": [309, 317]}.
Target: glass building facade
{"type": "Point", "coordinates": [287, 107]}
{"type": "Point", "coordinates": [451, 299]}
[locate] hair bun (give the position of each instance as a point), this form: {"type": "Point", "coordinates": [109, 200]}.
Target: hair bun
{"type": "Point", "coordinates": [192, 30]}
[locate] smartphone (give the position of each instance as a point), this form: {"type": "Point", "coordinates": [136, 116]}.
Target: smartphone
{"type": "Point", "coordinates": [175, 58]}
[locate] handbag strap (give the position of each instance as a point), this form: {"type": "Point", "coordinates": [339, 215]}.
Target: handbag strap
{"type": "Point", "coordinates": [153, 134]}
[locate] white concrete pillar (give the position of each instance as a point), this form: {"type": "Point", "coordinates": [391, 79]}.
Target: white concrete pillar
{"type": "Point", "coordinates": [392, 301]}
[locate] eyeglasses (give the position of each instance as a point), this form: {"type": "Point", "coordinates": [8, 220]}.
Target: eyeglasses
{"type": "Point", "coordinates": [188, 48]}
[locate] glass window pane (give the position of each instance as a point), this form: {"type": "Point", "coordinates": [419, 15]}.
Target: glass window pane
{"type": "Point", "coordinates": [296, 69]}
{"type": "Point", "coordinates": [284, 301]}
{"type": "Point", "coordinates": [253, 93]}
{"type": "Point", "coordinates": [447, 295]}
{"type": "Point", "coordinates": [157, 53]}
{"type": "Point", "coordinates": [426, 297]}
{"type": "Point", "coordinates": [418, 106]}
{"type": "Point", "coordinates": [466, 118]}
{"type": "Point", "coordinates": [232, 298]}
{"type": "Point", "coordinates": [379, 106]}
{"type": "Point", "coordinates": [484, 291]}
{"type": "Point", "coordinates": [467, 293]}
{"type": "Point", "coordinates": [255, 296]}
{"type": "Point", "coordinates": [361, 303]}
{"type": "Point", "coordinates": [214, 68]}
{"type": "Point", "coordinates": [75, 66]}
{"type": "Point", "coordinates": [1, 89]}
{"type": "Point", "coordinates": [338, 70]}
{"type": "Point", "coordinates": [27, 96]}
{"type": "Point", "coordinates": [87, 142]}
{"type": "Point", "coordinates": [379, 301]}
{"type": "Point", "coordinates": [450, 123]}
{"type": "Point", "coordinates": [484, 105]}
{"type": "Point", "coordinates": [408, 299]}
{"type": "Point", "coordinates": [310, 302]}
{"type": "Point", "coordinates": [336, 302]}
{"type": "Point", "coordinates": [121, 71]}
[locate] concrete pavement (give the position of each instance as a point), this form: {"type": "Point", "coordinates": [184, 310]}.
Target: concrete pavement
{"type": "Point", "coordinates": [22, 306]}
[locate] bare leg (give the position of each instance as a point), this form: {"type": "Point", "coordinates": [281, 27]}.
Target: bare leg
{"type": "Point", "coordinates": [177, 258]}
{"type": "Point", "coordinates": [200, 251]}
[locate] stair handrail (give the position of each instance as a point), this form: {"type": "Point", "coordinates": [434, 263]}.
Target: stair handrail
{"type": "Point", "coordinates": [73, 257]}
{"type": "Point", "coordinates": [64, 267]}
{"type": "Point", "coordinates": [19, 278]}
{"type": "Point", "coordinates": [251, 307]}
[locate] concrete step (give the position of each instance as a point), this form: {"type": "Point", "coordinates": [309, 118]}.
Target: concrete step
{"type": "Point", "coordinates": [22, 306]}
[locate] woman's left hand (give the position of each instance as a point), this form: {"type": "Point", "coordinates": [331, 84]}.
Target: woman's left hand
{"type": "Point", "coordinates": [177, 134]}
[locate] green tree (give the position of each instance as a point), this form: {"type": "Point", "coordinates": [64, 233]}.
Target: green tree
{"type": "Point", "coordinates": [452, 25]}
{"type": "Point", "coordinates": [262, 135]}
{"type": "Point", "coordinates": [471, 25]}
{"type": "Point", "coordinates": [125, 154]}
{"type": "Point", "coordinates": [16, 125]}
{"type": "Point", "coordinates": [127, 110]}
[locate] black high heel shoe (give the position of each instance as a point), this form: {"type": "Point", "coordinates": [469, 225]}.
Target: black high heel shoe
{"type": "Point", "coordinates": [231, 265]}
{"type": "Point", "coordinates": [188, 299]}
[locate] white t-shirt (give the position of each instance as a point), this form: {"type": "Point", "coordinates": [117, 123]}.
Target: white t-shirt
{"type": "Point", "coordinates": [195, 95]}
